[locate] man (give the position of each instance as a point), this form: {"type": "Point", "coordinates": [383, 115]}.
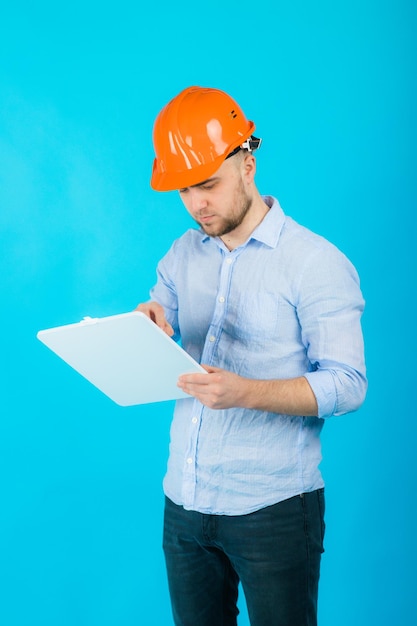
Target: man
{"type": "Point", "coordinates": [273, 312]}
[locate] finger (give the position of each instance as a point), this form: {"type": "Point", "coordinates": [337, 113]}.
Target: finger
{"type": "Point", "coordinates": [211, 369]}
{"type": "Point", "coordinates": [161, 321]}
{"type": "Point", "coordinates": [194, 379]}
{"type": "Point", "coordinates": [156, 313]}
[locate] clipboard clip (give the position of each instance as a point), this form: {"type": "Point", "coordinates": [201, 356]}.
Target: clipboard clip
{"type": "Point", "coordinates": [89, 320]}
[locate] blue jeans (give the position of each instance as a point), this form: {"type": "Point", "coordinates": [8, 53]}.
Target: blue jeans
{"type": "Point", "coordinates": [275, 553]}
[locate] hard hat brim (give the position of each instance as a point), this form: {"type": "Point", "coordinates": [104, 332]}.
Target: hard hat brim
{"type": "Point", "coordinates": [172, 181]}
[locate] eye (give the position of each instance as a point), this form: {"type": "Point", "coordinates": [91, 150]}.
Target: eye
{"type": "Point", "coordinates": [183, 190]}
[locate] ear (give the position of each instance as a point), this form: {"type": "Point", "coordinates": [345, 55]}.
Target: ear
{"type": "Point", "coordinates": [249, 167]}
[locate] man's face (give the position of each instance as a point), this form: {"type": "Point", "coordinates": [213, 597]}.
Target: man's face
{"type": "Point", "coordinates": [219, 204]}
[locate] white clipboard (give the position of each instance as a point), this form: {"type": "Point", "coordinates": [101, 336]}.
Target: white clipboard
{"type": "Point", "coordinates": [127, 356]}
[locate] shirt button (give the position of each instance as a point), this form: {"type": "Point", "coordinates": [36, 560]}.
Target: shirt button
{"type": "Point", "coordinates": [189, 460]}
{"type": "Point", "coordinates": [212, 338]}
{"type": "Point", "coordinates": [194, 420]}
{"type": "Point", "coordinates": [221, 299]}
{"type": "Point", "coordinates": [229, 260]}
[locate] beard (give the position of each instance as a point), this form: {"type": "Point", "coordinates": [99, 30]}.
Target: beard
{"type": "Point", "coordinates": [242, 203]}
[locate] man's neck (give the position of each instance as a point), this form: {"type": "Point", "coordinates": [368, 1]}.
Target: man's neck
{"type": "Point", "coordinates": [254, 217]}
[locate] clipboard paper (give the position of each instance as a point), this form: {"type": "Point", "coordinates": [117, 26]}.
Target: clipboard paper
{"type": "Point", "coordinates": [127, 357]}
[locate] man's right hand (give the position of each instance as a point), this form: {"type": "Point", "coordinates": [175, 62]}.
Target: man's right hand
{"type": "Point", "coordinates": [156, 313]}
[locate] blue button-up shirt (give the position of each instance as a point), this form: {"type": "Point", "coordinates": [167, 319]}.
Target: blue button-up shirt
{"type": "Point", "coordinates": [286, 303]}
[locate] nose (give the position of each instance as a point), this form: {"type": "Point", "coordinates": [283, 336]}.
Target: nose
{"type": "Point", "coordinates": [197, 199]}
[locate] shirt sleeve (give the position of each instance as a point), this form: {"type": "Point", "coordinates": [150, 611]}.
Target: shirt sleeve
{"type": "Point", "coordinates": [330, 308]}
{"type": "Point", "coordinates": [164, 291]}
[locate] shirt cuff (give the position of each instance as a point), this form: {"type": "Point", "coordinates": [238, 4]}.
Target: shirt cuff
{"type": "Point", "coordinates": [324, 388]}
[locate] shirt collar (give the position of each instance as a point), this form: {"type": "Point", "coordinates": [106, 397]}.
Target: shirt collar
{"type": "Point", "coordinates": [269, 230]}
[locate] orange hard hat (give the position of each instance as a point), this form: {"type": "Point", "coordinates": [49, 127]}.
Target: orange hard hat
{"type": "Point", "coordinates": [194, 133]}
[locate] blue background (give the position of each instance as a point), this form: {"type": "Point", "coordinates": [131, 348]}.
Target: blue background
{"type": "Point", "coordinates": [331, 87]}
